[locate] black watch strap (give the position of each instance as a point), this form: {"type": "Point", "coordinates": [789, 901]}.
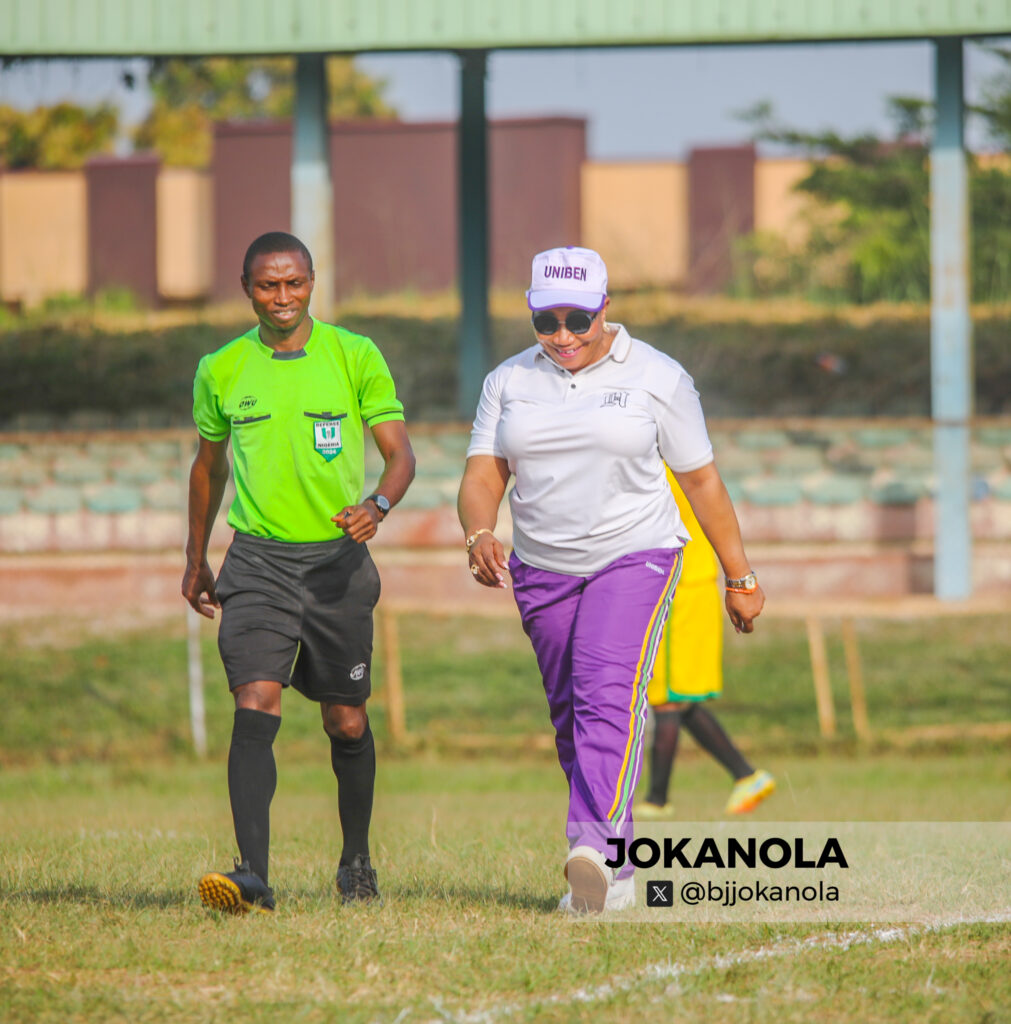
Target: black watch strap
{"type": "Point", "coordinates": [381, 502]}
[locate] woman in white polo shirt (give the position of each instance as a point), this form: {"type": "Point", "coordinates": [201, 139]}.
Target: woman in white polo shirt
{"type": "Point", "coordinates": [585, 420]}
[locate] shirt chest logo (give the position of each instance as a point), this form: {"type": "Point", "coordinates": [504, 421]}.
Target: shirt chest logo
{"type": "Point", "coordinates": [327, 435]}
{"type": "Point", "coordinates": [615, 398]}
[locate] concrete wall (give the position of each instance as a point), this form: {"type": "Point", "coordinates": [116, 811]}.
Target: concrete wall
{"type": "Point", "coordinates": [637, 214]}
{"type": "Point", "coordinates": [661, 224]}
{"type": "Point", "coordinates": [123, 225]}
{"type": "Point", "coordinates": [184, 233]}
{"type": "Point", "coordinates": [395, 209]}
{"type": "Point", "coordinates": [43, 232]}
{"type": "Point", "coordinates": [780, 210]}
{"type": "Point", "coordinates": [640, 216]}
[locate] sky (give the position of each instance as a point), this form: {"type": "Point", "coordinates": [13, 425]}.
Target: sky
{"type": "Point", "coordinates": [646, 104]}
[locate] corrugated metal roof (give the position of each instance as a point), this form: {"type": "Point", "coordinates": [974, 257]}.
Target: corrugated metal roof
{"type": "Point", "coordinates": [143, 27]}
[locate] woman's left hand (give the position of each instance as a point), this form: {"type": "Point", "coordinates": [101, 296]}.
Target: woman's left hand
{"type": "Point", "coordinates": [743, 609]}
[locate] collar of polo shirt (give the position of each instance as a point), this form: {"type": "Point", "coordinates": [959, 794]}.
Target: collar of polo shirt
{"type": "Point", "coordinates": [618, 351]}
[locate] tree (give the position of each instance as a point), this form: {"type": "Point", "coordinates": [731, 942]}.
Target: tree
{"type": "Point", "coordinates": [61, 137]}
{"type": "Point", "coordinates": [190, 95]}
{"type": "Point", "coordinates": [869, 231]}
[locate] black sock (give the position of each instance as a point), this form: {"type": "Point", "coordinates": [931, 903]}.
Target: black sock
{"type": "Point", "coordinates": [252, 779]}
{"type": "Point", "coordinates": [354, 764]}
{"type": "Point", "coordinates": [709, 734]}
{"type": "Point", "coordinates": [666, 728]}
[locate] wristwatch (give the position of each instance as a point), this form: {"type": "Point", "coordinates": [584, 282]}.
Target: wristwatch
{"type": "Point", "coordinates": [745, 585]}
{"type": "Point", "coordinates": [381, 502]}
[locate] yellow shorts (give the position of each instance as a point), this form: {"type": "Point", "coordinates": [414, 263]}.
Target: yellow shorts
{"type": "Point", "coordinates": [689, 664]}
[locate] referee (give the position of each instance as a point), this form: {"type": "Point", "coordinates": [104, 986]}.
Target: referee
{"type": "Point", "coordinates": [297, 587]}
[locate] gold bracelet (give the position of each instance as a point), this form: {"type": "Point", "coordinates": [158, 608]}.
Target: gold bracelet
{"type": "Point", "coordinates": [472, 539]}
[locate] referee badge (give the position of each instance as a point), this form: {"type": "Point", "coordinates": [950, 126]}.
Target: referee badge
{"type": "Point", "coordinates": [327, 434]}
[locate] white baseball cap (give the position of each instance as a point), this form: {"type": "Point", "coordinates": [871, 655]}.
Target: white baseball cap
{"type": "Point", "coordinates": [568, 276]}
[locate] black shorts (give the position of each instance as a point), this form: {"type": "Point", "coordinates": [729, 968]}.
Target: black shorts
{"type": "Point", "coordinates": [299, 614]}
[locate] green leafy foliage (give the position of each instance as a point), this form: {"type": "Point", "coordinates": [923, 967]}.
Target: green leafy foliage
{"type": "Point", "coordinates": [190, 95]}
{"type": "Point", "coordinates": [54, 369]}
{"type": "Point", "coordinates": [868, 231]}
{"type": "Point", "coordinates": [60, 137]}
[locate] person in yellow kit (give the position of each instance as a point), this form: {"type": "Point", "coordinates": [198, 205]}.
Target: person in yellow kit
{"type": "Point", "coordinates": [688, 673]}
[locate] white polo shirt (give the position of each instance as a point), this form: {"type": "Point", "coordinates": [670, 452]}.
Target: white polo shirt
{"type": "Point", "coordinates": [588, 449]}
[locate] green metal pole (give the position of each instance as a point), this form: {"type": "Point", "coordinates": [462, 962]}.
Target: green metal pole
{"type": "Point", "coordinates": [474, 343]}
{"type": "Point", "coordinates": [311, 187]}
{"type": "Point", "coordinates": [950, 329]}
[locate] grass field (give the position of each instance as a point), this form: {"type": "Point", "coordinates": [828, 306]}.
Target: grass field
{"type": "Point", "coordinates": [108, 821]}
{"type": "Point", "coordinates": [114, 694]}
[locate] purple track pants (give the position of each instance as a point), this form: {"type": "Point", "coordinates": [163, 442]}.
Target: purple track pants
{"type": "Point", "coordinates": [595, 638]}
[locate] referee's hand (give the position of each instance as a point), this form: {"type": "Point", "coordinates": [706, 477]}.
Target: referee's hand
{"type": "Point", "coordinates": [198, 588]}
{"type": "Point", "coordinates": [359, 522]}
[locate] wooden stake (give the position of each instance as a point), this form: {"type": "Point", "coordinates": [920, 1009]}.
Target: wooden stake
{"type": "Point", "coordinates": [822, 683]}
{"type": "Point", "coordinates": [396, 716]}
{"type": "Point", "coordinates": [854, 670]}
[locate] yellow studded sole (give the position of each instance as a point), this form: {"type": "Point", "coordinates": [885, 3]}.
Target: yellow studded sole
{"type": "Point", "coordinates": [220, 893]}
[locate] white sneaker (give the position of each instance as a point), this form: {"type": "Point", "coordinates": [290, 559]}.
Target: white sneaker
{"type": "Point", "coordinates": [589, 879]}
{"type": "Point", "coordinates": [620, 896]}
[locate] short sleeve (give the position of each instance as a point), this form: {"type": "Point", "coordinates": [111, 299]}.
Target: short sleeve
{"type": "Point", "coordinates": [207, 411]}
{"type": "Point", "coordinates": [681, 429]}
{"type": "Point", "coordinates": [377, 394]}
{"type": "Point", "coordinates": [484, 434]}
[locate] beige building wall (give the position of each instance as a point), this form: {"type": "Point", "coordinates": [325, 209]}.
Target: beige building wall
{"type": "Point", "coordinates": [636, 216]}
{"type": "Point", "coordinates": [185, 233]}
{"type": "Point", "coordinates": [778, 209]}
{"type": "Point", "coordinates": [43, 235]}
{"type": "Point", "coordinates": [994, 161]}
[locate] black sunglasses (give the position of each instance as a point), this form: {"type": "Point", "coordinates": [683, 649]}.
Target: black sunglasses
{"type": "Point", "coordinates": [577, 321]}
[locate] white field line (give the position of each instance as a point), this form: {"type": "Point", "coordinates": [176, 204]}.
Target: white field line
{"type": "Point", "coordinates": [670, 971]}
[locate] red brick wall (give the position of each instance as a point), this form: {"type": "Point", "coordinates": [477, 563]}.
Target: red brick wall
{"type": "Point", "coordinates": [251, 194]}
{"type": "Point", "coordinates": [123, 225]}
{"type": "Point", "coordinates": [395, 207]}
{"type": "Point", "coordinates": [721, 207]}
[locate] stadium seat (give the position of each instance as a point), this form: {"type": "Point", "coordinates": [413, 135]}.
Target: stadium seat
{"type": "Point", "coordinates": [993, 437]}
{"type": "Point", "coordinates": [898, 491]}
{"type": "Point", "coordinates": [78, 471]}
{"type": "Point", "coordinates": [54, 500]}
{"type": "Point", "coordinates": [735, 463]}
{"type": "Point", "coordinates": [909, 456]}
{"type": "Point", "coordinates": [164, 451]}
{"type": "Point", "coordinates": [30, 474]}
{"type": "Point", "coordinates": [139, 473]}
{"type": "Point", "coordinates": [761, 440]}
{"type": "Point", "coordinates": [797, 461]}
{"type": "Point", "coordinates": [114, 498]}
{"type": "Point", "coordinates": [454, 444]}
{"type": "Point", "coordinates": [882, 437]}
{"type": "Point", "coordinates": [165, 496]}
{"type": "Point", "coordinates": [986, 458]}
{"type": "Point", "coordinates": [837, 489]}
{"type": "Point", "coordinates": [427, 493]}
{"type": "Point", "coordinates": [11, 501]}
{"type": "Point", "coordinates": [1000, 487]}
{"type": "Point", "coordinates": [88, 419]}
{"type": "Point", "coordinates": [772, 491]}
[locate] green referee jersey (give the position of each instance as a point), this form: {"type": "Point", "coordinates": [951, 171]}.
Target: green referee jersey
{"type": "Point", "coordinates": [295, 420]}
